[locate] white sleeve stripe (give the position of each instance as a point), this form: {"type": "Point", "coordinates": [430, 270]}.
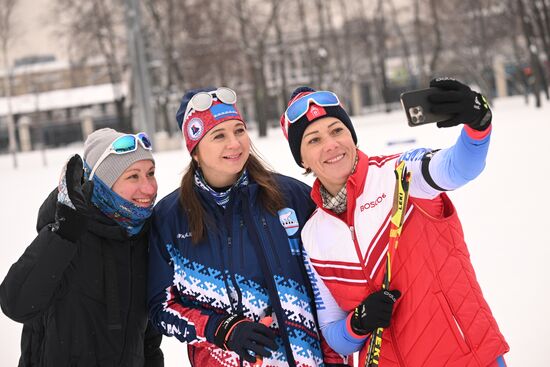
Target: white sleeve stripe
{"type": "Point", "coordinates": [317, 265]}
{"type": "Point", "coordinates": [361, 281]}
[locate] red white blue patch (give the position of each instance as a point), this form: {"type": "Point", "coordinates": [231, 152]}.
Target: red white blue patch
{"type": "Point", "coordinates": [195, 128]}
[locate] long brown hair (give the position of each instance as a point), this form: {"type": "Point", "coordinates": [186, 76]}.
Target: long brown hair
{"type": "Point", "coordinates": [270, 196]}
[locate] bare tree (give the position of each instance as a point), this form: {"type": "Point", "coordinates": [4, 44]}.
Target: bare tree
{"type": "Point", "coordinates": [281, 56]}
{"type": "Point", "coordinates": [382, 52]}
{"type": "Point", "coordinates": [254, 34]}
{"type": "Point", "coordinates": [519, 78]}
{"type": "Point", "coordinates": [95, 27]}
{"type": "Point", "coordinates": [335, 53]}
{"type": "Point", "coordinates": [191, 44]}
{"type": "Point", "coordinates": [396, 25]}
{"type": "Point", "coordinates": [322, 55]}
{"type": "Point", "coordinates": [165, 29]}
{"type": "Point", "coordinates": [368, 41]}
{"type": "Point", "coordinates": [532, 49]}
{"type": "Point", "coordinates": [436, 31]}
{"type": "Point", "coordinates": [348, 72]}
{"type": "Point", "coordinates": [6, 36]}
{"type": "Point", "coordinates": [166, 16]}
{"type": "Point", "coordinates": [419, 41]}
{"type": "Point", "coordinates": [428, 38]}
{"type": "Point", "coordinates": [539, 11]}
{"type": "Point", "coordinates": [306, 37]}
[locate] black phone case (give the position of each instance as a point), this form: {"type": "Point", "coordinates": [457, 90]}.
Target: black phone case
{"type": "Point", "coordinates": [417, 107]}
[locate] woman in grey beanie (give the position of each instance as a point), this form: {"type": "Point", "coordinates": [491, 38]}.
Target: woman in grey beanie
{"type": "Point", "coordinates": [80, 287]}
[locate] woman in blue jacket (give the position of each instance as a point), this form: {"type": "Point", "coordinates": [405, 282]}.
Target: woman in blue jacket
{"type": "Point", "coordinates": [226, 272]}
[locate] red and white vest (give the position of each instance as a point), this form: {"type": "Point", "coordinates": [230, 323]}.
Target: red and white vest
{"type": "Point", "coordinates": [442, 318]}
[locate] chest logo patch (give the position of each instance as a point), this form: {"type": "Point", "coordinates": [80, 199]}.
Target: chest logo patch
{"type": "Point", "coordinates": [373, 203]}
{"type": "Point", "coordinates": [289, 221]}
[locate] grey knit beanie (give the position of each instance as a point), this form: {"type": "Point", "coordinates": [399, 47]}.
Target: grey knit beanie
{"type": "Point", "coordinates": [115, 164]}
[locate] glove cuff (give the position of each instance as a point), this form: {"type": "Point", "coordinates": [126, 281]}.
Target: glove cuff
{"type": "Point", "coordinates": [225, 328]}
{"type": "Point", "coordinates": [485, 121]}
{"type": "Point", "coordinates": [69, 223]}
{"type": "Point", "coordinates": [354, 323]}
{"type": "Point", "coordinates": [354, 329]}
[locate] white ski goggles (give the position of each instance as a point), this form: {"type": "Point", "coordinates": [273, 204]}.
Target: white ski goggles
{"type": "Point", "coordinates": [122, 145]}
{"type": "Point", "coordinates": [202, 101]}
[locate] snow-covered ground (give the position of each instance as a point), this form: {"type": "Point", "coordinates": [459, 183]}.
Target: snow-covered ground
{"type": "Point", "coordinates": [502, 212]}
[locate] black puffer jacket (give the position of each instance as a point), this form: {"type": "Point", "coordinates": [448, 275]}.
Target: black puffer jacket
{"type": "Point", "coordinates": [82, 304]}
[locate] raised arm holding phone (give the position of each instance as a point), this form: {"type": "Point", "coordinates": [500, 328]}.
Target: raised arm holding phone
{"type": "Point", "coordinates": [433, 309]}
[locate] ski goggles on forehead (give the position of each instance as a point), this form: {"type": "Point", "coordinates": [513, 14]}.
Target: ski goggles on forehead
{"type": "Point", "coordinates": [202, 101]}
{"type": "Point", "coordinates": [299, 107]}
{"type": "Point", "coordinates": [124, 144]}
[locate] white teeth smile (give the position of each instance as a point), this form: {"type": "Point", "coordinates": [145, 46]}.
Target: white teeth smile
{"type": "Point", "coordinates": [142, 201]}
{"type": "Point", "coordinates": [232, 156]}
{"type": "Point", "coordinates": [335, 159]}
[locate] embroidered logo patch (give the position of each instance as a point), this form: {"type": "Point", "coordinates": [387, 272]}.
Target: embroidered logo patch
{"type": "Point", "coordinates": [289, 221]}
{"type": "Point", "coordinates": [195, 128]}
{"type": "Point", "coordinates": [315, 112]}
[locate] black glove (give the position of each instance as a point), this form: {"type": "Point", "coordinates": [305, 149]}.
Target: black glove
{"type": "Point", "coordinates": [72, 209]}
{"type": "Point", "coordinates": [242, 336]}
{"type": "Point", "coordinates": [374, 312]}
{"type": "Point", "coordinates": [465, 105]}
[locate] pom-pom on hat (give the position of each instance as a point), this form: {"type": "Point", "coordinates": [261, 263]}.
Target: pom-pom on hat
{"type": "Point", "coordinates": [295, 130]}
{"type": "Point", "coordinates": [113, 165]}
{"type": "Point", "coordinates": [195, 123]}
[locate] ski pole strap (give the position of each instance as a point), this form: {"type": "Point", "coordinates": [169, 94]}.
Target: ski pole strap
{"type": "Point", "coordinates": [400, 199]}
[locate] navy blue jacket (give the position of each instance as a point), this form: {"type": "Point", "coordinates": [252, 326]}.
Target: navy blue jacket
{"type": "Point", "coordinates": [249, 263]}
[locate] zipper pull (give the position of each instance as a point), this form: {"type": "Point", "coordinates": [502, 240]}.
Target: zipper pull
{"type": "Point", "coordinates": [352, 230]}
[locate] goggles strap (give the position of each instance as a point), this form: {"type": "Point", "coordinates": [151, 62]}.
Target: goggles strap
{"type": "Point", "coordinates": [138, 139]}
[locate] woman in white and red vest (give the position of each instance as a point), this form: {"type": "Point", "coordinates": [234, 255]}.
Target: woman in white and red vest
{"type": "Point", "coordinates": [434, 312]}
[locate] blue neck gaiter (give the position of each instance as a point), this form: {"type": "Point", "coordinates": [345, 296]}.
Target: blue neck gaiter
{"type": "Point", "coordinates": [222, 198]}
{"type": "Point", "coordinates": [128, 215]}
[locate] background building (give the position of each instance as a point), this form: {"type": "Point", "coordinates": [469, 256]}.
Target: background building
{"type": "Point", "coordinates": [126, 64]}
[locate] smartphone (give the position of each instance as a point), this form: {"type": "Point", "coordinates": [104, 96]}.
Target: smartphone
{"type": "Point", "coordinates": [417, 107]}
